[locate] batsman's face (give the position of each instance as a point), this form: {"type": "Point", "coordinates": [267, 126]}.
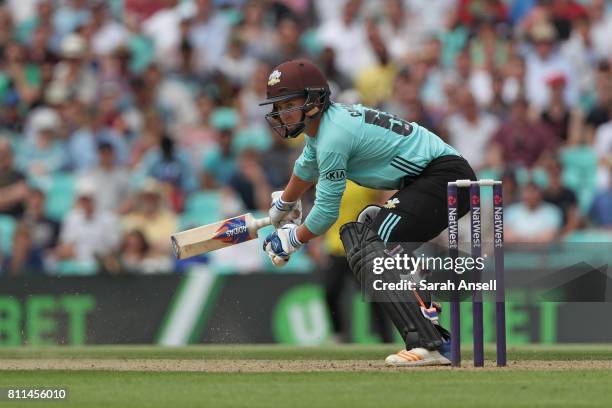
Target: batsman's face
{"type": "Point", "coordinates": [290, 111]}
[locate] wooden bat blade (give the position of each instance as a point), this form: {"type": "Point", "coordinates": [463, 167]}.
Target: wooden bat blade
{"type": "Point", "coordinates": [215, 236]}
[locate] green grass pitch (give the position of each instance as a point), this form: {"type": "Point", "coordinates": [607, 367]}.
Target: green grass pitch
{"type": "Point", "coordinates": [538, 376]}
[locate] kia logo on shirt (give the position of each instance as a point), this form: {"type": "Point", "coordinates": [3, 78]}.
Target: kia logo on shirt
{"type": "Point", "coordinates": [335, 175]}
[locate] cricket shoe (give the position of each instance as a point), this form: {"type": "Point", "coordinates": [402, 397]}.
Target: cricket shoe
{"type": "Point", "coordinates": [417, 357]}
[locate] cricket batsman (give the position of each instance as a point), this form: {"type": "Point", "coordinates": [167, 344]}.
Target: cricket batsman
{"type": "Point", "coordinates": [376, 150]}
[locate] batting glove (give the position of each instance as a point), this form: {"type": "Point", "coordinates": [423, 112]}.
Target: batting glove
{"type": "Point", "coordinates": [284, 212]}
{"type": "Point", "coordinates": [282, 243]}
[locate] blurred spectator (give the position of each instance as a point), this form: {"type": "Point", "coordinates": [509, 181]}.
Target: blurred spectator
{"type": "Point", "coordinates": [470, 129]}
{"type": "Point", "coordinates": [251, 96]}
{"type": "Point", "coordinates": [209, 35]}
{"type": "Point", "coordinates": [278, 163]}
{"type": "Point", "coordinates": [135, 257]}
{"type": "Point", "coordinates": [489, 49]}
{"type": "Point", "coordinates": [86, 231]}
{"type": "Point", "coordinates": [498, 106]}
{"type": "Point", "coordinates": [544, 60]}
{"type": "Point", "coordinates": [44, 153]}
{"type": "Point", "coordinates": [561, 119]}
{"type": "Point", "coordinates": [171, 166]}
{"type": "Point", "coordinates": [112, 181]}
{"type": "Point", "coordinates": [564, 15]}
{"type": "Point", "coordinates": [34, 234]}
{"type": "Point", "coordinates": [580, 52]}
{"type": "Point", "coordinates": [186, 73]}
{"type": "Point", "coordinates": [562, 197]}
{"type": "Point", "coordinates": [198, 139]}
{"type": "Point", "coordinates": [601, 211]}
{"type": "Point", "coordinates": [346, 34]}
{"type": "Point", "coordinates": [70, 15]}
{"type": "Point", "coordinates": [44, 230]}
{"type": "Point", "coordinates": [477, 80]}
{"type": "Point", "coordinates": [401, 30]}
{"type": "Point", "coordinates": [523, 141]}
{"type": "Point", "coordinates": [601, 27]}
{"type": "Point", "coordinates": [514, 79]}
{"type": "Point", "coordinates": [601, 112]}
{"type": "Point", "coordinates": [83, 143]}
{"type": "Point", "coordinates": [152, 217]}
{"type": "Point", "coordinates": [288, 34]}
{"type": "Point", "coordinates": [375, 82]}
{"type": "Point", "coordinates": [235, 64]}
{"type": "Point", "coordinates": [73, 73]}
{"type": "Point", "coordinates": [163, 27]}
{"type": "Point", "coordinates": [603, 150]}
{"type": "Point", "coordinates": [13, 186]}
{"type": "Point", "coordinates": [19, 79]}
{"type": "Point", "coordinates": [533, 220]}
{"type": "Point", "coordinates": [258, 37]}
{"type": "Point", "coordinates": [470, 12]}
{"type": "Point", "coordinates": [172, 96]}
{"type": "Point", "coordinates": [108, 35]}
{"type": "Point", "coordinates": [250, 183]}
{"type": "Point", "coordinates": [338, 82]}
{"type": "Point", "coordinates": [220, 162]}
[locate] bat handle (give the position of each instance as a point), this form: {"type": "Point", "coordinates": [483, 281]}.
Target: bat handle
{"type": "Point", "coordinates": [262, 222]}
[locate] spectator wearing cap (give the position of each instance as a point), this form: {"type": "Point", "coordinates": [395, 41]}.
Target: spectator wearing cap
{"type": "Point", "coordinates": [152, 217]}
{"type": "Point", "coordinates": [532, 220]}
{"type": "Point", "coordinates": [44, 153]}
{"type": "Point", "coordinates": [543, 60]}
{"type": "Point", "coordinates": [13, 186]}
{"type": "Point", "coordinates": [522, 140]}
{"type": "Point", "coordinates": [112, 180]}
{"type": "Point", "coordinates": [87, 231]}
{"type": "Point", "coordinates": [73, 72]}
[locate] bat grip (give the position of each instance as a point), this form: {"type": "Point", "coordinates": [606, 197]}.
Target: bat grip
{"type": "Point", "coordinates": [262, 222]}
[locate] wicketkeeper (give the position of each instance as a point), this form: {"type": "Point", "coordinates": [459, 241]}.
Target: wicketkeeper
{"type": "Point", "coordinates": [377, 150]}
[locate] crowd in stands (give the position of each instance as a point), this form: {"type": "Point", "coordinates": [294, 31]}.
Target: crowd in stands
{"type": "Point", "coordinates": [122, 122]}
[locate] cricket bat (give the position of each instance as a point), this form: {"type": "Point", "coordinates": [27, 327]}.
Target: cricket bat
{"type": "Point", "coordinates": [217, 235]}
